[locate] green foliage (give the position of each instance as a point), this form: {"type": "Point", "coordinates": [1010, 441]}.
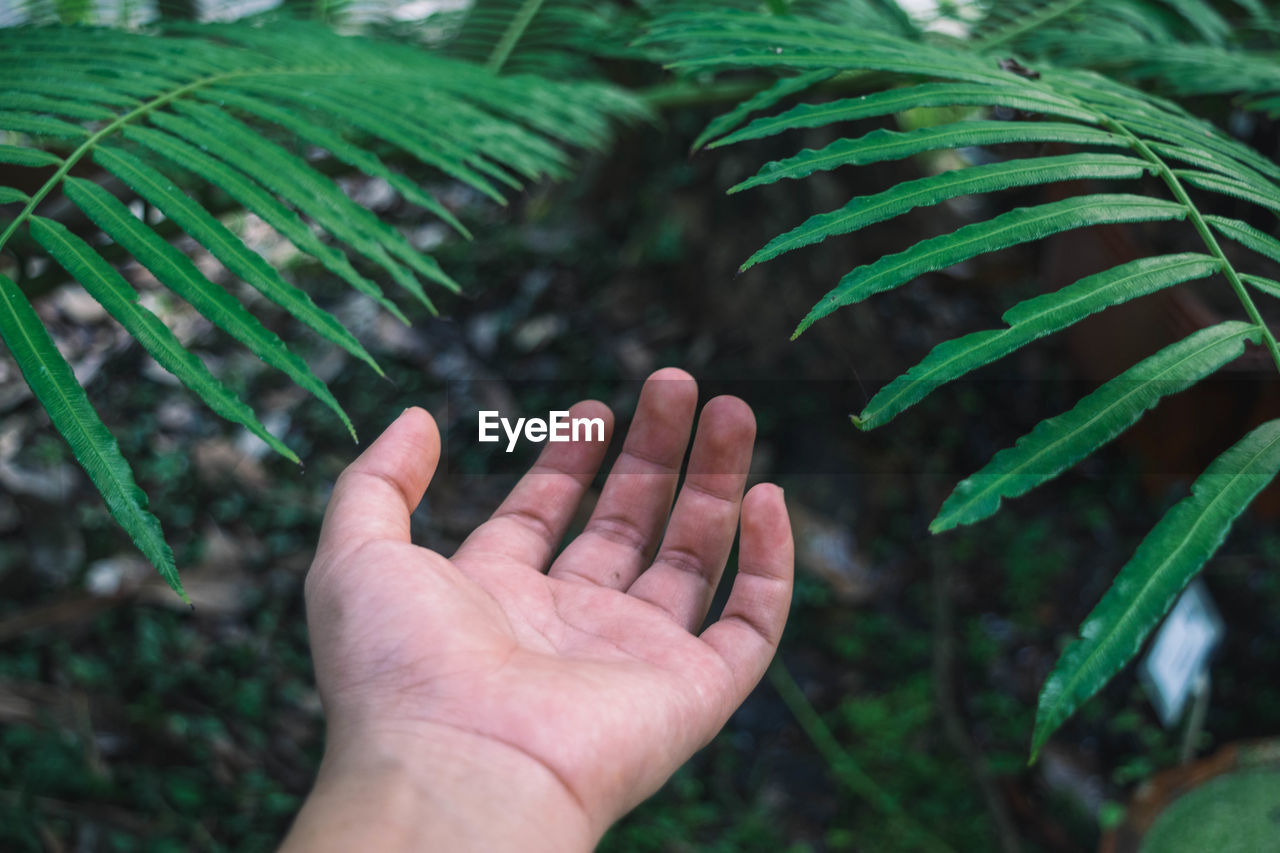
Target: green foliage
{"type": "Point", "coordinates": [1089, 111]}
{"type": "Point", "coordinates": [547, 36]}
{"type": "Point", "coordinates": [52, 381]}
{"type": "Point", "coordinates": [1182, 47]}
{"type": "Point", "coordinates": [1166, 561]}
{"type": "Point", "coordinates": [255, 112]}
{"type": "Point", "coordinates": [195, 117]}
{"type": "Point", "coordinates": [1058, 443]}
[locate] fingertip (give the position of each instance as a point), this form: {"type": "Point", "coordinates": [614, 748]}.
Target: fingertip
{"type": "Point", "coordinates": [729, 416]}
{"type": "Point", "coordinates": [374, 495]}
{"type": "Point", "coordinates": [675, 387]}
{"type": "Point", "coordinates": [593, 409]}
{"type": "Point", "coordinates": [419, 416]}
{"type": "Point", "coordinates": [766, 495]}
{"type": "Point", "coordinates": [766, 526]}
{"type": "Point", "coordinates": [670, 374]}
{"type": "Point", "coordinates": [408, 447]}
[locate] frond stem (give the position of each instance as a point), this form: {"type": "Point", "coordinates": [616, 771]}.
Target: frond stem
{"type": "Point", "coordinates": [1202, 228]}
{"type": "Point", "coordinates": [512, 35]}
{"type": "Point", "coordinates": [108, 129]}
{"type": "Point", "coordinates": [115, 125]}
{"type": "Point", "coordinates": [1012, 31]}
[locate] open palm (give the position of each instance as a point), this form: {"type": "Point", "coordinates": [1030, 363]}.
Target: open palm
{"type": "Point", "coordinates": [587, 665]}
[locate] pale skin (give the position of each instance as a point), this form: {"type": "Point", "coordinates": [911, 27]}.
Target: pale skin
{"type": "Point", "coordinates": [507, 698]}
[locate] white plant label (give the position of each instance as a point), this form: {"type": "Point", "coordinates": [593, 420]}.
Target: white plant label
{"type": "Point", "coordinates": [1180, 653]}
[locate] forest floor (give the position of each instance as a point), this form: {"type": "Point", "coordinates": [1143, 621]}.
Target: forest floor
{"type": "Point", "coordinates": [128, 722]}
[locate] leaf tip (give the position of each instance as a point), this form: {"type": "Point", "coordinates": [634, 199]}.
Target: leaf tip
{"type": "Point", "coordinates": [813, 316]}
{"type": "Point", "coordinates": [1038, 739]}
{"type": "Point", "coordinates": [176, 585]}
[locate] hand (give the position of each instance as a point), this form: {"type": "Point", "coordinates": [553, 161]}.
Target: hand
{"type": "Point", "coordinates": [487, 700]}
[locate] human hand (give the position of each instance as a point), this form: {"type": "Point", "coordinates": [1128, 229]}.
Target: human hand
{"type": "Point", "coordinates": [486, 700]}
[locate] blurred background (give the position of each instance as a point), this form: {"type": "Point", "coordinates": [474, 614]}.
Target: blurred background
{"type": "Point", "coordinates": [901, 716]}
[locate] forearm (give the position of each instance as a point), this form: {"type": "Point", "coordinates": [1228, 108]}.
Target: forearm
{"type": "Point", "coordinates": [458, 793]}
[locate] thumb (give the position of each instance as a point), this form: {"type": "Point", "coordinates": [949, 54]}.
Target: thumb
{"type": "Point", "coordinates": [375, 495]}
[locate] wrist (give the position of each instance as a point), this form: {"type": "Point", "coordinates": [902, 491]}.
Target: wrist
{"type": "Point", "coordinates": [437, 788]}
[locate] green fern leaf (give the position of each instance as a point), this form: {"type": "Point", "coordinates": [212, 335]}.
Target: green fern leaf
{"type": "Point", "coordinates": [39, 125]}
{"type": "Point", "coordinates": [235, 184]}
{"type": "Point", "coordinates": [913, 97]}
{"type": "Point", "coordinates": [518, 24]}
{"type": "Point", "coordinates": [1210, 163]}
{"type": "Point", "coordinates": [881, 145]}
{"type": "Point", "coordinates": [1247, 236]}
{"type": "Point", "coordinates": [1183, 135]}
{"type": "Point", "coordinates": [767, 97]}
{"type": "Point", "coordinates": [121, 301]}
{"type": "Point", "coordinates": [382, 122]}
{"type": "Point", "coordinates": [352, 155]}
{"type": "Point", "coordinates": [1267, 196]}
{"type": "Point", "coordinates": [1166, 561]}
{"type": "Point", "coordinates": [228, 248]}
{"type": "Point", "coordinates": [868, 210]}
{"type": "Point", "coordinates": [1155, 132]}
{"type": "Point", "coordinates": [1029, 320]}
{"type": "Point", "coordinates": [554, 38]}
{"type": "Point", "coordinates": [49, 81]}
{"type": "Point", "coordinates": [1002, 24]}
{"type": "Point", "coordinates": [55, 386]}
{"type": "Point", "coordinates": [18, 100]}
{"type": "Point", "coordinates": [1269, 286]}
{"type": "Point", "coordinates": [27, 156]}
{"type": "Point", "coordinates": [303, 187]}
{"type": "Point", "coordinates": [180, 275]}
{"type": "Point", "coordinates": [229, 106]}
{"type": "Point", "coordinates": [1021, 225]}
{"type": "Point", "coordinates": [1060, 442]}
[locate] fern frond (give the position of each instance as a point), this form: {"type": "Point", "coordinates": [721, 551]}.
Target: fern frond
{"type": "Point", "coordinates": [249, 266]}
{"type": "Point", "coordinates": [1027, 321]}
{"type": "Point", "coordinates": [1023, 225]}
{"type": "Point", "coordinates": [879, 146]}
{"type": "Point", "coordinates": [554, 38]}
{"type": "Point", "coordinates": [868, 210]}
{"type": "Point", "coordinates": [1006, 23]}
{"type": "Point", "coordinates": [1058, 443]}
{"type": "Point", "coordinates": [1166, 561]}
{"type": "Point", "coordinates": [767, 97]}
{"type": "Point", "coordinates": [1154, 137]}
{"type": "Point", "coordinates": [121, 301]}
{"type": "Point", "coordinates": [1247, 236]}
{"type": "Point", "coordinates": [230, 106]}
{"type": "Point", "coordinates": [1181, 47]}
{"type": "Point", "coordinates": [55, 386]}
{"type": "Point", "coordinates": [180, 275]}
{"type": "Point", "coordinates": [893, 101]}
